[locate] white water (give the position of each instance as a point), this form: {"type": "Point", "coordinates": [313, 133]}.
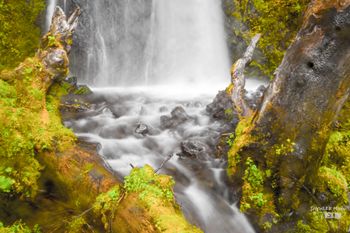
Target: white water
{"type": "Point", "coordinates": [201, 184]}
{"type": "Point", "coordinates": [138, 42]}
{"type": "Point", "coordinates": [188, 42]}
{"type": "Point", "coordinates": [51, 4]}
{"type": "Point", "coordinates": [176, 50]}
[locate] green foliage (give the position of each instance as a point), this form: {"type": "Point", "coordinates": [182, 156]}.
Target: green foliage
{"type": "Point", "coordinates": [19, 33]}
{"type": "Point", "coordinates": [30, 124]}
{"type": "Point", "coordinates": [155, 192]}
{"type": "Point", "coordinates": [252, 190]}
{"type": "Point", "coordinates": [302, 228]}
{"type": "Point", "coordinates": [76, 225]}
{"type": "Point", "coordinates": [149, 184]}
{"type": "Point", "coordinates": [51, 41]}
{"type": "Point", "coordinates": [336, 162]}
{"type": "Point", "coordinates": [334, 181]}
{"type": "Point", "coordinates": [276, 20]}
{"type": "Point", "coordinates": [106, 204]}
{"type": "Point", "coordinates": [231, 139]}
{"type": "Point", "coordinates": [286, 148]}
{"type": "Point", "coordinates": [18, 227]}
{"type": "Point", "coordinates": [6, 184]}
{"type": "Point", "coordinates": [252, 174]}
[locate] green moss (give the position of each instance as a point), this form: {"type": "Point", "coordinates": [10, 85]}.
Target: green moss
{"type": "Point", "coordinates": [252, 189]}
{"type": "Point", "coordinates": [6, 184]}
{"type": "Point", "coordinates": [83, 90]}
{"type": "Point", "coordinates": [230, 140]}
{"type": "Point", "coordinates": [277, 21]}
{"type": "Point", "coordinates": [18, 227]}
{"type": "Point", "coordinates": [330, 179]}
{"type": "Point", "coordinates": [149, 185]}
{"type": "Point", "coordinates": [30, 124]}
{"type": "Point", "coordinates": [106, 205]}
{"type": "Point", "coordinates": [156, 194]}
{"type": "Point", "coordinates": [229, 114]}
{"type": "Point", "coordinates": [19, 34]}
{"type": "Point", "coordinates": [241, 137]}
{"type": "Point", "coordinates": [76, 225]}
{"type": "Point", "coordinates": [303, 228]}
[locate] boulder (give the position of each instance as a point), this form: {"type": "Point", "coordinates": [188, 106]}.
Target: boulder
{"type": "Point", "coordinates": [142, 129]}
{"type": "Point", "coordinates": [193, 149]}
{"type": "Point", "coordinates": [177, 117]}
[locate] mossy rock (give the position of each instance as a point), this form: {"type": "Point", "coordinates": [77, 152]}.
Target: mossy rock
{"type": "Point", "coordinates": [82, 90]}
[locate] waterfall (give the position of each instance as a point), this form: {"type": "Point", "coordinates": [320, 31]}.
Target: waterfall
{"type": "Point", "coordinates": [189, 42]}
{"type": "Point", "coordinates": [153, 43]}
{"type": "Point", "coordinates": [134, 42]}
{"type": "Point", "coordinates": [51, 4]}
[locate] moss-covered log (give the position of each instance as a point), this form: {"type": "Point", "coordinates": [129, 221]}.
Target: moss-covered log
{"type": "Point", "coordinates": [278, 150]}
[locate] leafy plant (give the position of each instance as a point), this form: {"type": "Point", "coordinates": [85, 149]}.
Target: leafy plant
{"type": "Point", "coordinates": [6, 184]}
{"type": "Point", "coordinates": [231, 139]}
{"type": "Point", "coordinates": [18, 227]}
{"type": "Point", "coordinates": [106, 203]}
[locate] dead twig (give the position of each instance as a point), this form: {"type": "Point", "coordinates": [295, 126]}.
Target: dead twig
{"type": "Point", "coordinates": [164, 162]}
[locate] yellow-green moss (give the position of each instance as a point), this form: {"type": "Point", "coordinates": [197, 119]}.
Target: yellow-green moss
{"type": "Point", "coordinates": [330, 179]}
{"type": "Point", "coordinates": [19, 32]}
{"type": "Point", "coordinates": [18, 227]}
{"type": "Point", "coordinates": [241, 137]}
{"type": "Point", "coordinates": [252, 189]}
{"type": "Point", "coordinates": [276, 20]}
{"type": "Point", "coordinates": [106, 205]}
{"type": "Point", "coordinates": [30, 124]}
{"type": "Point", "coordinates": [156, 194]}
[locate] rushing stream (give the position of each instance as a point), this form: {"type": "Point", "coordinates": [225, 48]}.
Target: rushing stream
{"type": "Point", "coordinates": [176, 51]}
{"type": "Point", "coordinates": [126, 123]}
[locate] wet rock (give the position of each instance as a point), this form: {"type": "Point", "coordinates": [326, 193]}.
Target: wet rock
{"type": "Point", "coordinates": [82, 90]}
{"type": "Point", "coordinates": [142, 129]}
{"type": "Point", "coordinates": [193, 148]}
{"type": "Point", "coordinates": [221, 107]}
{"type": "Point", "coordinates": [178, 116]}
{"type": "Point", "coordinates": [119, 110]}
{"type": "Point", "coordinates": [73, 108]}
{"type": "Point", "coordinates": [72, 80]}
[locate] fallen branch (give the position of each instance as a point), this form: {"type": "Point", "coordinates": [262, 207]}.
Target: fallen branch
{"type": "Point", "coordinates": [238, 79]}
{"type": "Point", "coordinates": [164, 162]}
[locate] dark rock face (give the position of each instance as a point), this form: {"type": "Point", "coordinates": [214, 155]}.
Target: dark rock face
{"type": "Point", "coordinates": [310, 87]}
{"type": "Point", "coordinates": [178, 116]}
{"type": "Point", "coordinates": [235, 43]}
{"type": "Point", "coordinates": [220, 105]}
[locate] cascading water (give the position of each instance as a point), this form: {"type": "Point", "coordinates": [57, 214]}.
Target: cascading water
{"type": "Point", "coordinates": [135, 42]}
{"type": "Point", "coordinates": [49, 13]}
{"type": "Point", "coordinates": [176, 50]}
{"type": "Point", "coordinates": [188, 42]}
{"type": "Point", "coordinates": [126, 123]}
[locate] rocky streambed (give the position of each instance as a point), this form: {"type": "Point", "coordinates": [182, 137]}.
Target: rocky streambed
{"type": "Point", "coordinates": [176, 132]}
